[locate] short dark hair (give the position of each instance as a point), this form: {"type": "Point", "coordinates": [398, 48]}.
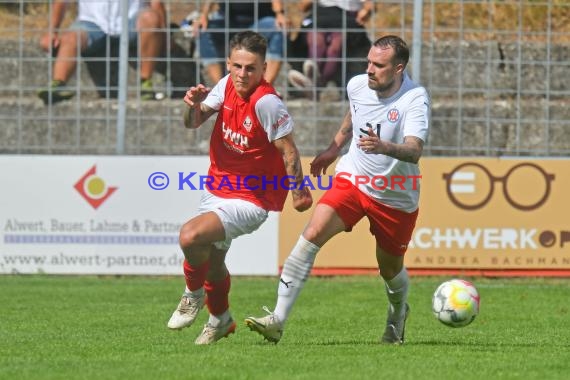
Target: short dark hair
{"type": "Point", "coordinates": [401, 50]}
{"type": "Point", "coordinates": [250, 41]}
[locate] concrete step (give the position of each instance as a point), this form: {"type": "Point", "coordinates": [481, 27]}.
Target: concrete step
{"type": "Point", "coordinates": [88, 126]}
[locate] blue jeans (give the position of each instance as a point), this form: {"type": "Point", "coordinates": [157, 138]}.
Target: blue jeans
{"type": "Point", "coordinates": [96, 38]}
{"type": "Point", "coordinates": [214, 40]}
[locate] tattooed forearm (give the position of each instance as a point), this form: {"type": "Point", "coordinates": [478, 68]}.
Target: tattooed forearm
{"type": "Point", "coordinates": [409, 151]}
{"type": "Point", "coordinates": [291, 158]}
{"type": "Point", "coordinates": [196, 116]}
{"type": "Point", "coordinates": [344, 133]}
{"type": "Point", "coordinates": [293, 165]}
{"type": "Point", "coordinates": [192, 117]}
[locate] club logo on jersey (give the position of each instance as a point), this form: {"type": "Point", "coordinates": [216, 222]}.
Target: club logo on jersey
{"type": "Point", "coordinates": [247, 124]}
{"type": "Point", "coordinates": [393, 115]}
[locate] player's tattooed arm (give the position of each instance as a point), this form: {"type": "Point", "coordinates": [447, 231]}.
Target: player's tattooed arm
{"type": "Point", "coordinates": [344, 134]}
{"type": "Point", "coordinates": [291, 158]}
{"type": "Point", "coordinates": [196, 116]}
{"type": "Point", "coordinates": [196, 112]}
{"type": "Point", "coordinates": [410, 151]}
{"type": "Point", "coordinates": [302, 199]}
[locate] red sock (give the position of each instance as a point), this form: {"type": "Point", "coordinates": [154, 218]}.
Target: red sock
{"type": "Point", "coordinates": [217, 295]}
{"type": "Point", "coordinates": [195, 276]}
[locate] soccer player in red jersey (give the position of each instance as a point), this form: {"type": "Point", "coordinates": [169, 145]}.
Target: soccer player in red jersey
{"type": "Point", "coordinates": [251, 151]}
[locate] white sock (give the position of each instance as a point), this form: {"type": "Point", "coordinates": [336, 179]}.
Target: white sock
{"type": "Point", "coordinates": [397, 292]}
{"type": "Point", "coordinates": [222, 319]}
{"type": "Point", "coordinates": [198, 293]}
{"type": "Point", "coordinates": [295, 272]}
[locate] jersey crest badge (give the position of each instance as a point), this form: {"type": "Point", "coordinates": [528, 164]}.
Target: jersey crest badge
{"type": "Point", "coordinates": [247, 124]}
{"type": "Point", "coordinates": [393, 115]}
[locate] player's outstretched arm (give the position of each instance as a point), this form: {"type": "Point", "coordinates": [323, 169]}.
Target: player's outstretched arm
{"type": "Point", "coordinates": [302, 198]}
{"type": "Point", "coordinates": [324, 159]}
{"type": "Point", "coordinates": [197, 112]}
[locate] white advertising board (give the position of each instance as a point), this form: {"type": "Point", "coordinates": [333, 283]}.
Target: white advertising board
{"type": "Point", "coordinates": [109, 215]}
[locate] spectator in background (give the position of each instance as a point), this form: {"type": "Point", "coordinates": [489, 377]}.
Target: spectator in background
{"type": "Point", "coordinates": [326, 39]}
{"type": "Point", "coordinates": [96, 21]}
{"type": "Point", "coordinates": [219, 21]}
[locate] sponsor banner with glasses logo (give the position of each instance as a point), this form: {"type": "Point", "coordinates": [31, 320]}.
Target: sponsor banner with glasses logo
{"type": "Point", "coordinates": [475, 213]}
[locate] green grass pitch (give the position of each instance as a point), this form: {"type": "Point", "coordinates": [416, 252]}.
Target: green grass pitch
{"type": "Point", "coordinates": [57, 327]}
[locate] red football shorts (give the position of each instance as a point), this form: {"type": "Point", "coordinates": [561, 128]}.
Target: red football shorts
{"type": "Point", "coordinates": [392, 228]}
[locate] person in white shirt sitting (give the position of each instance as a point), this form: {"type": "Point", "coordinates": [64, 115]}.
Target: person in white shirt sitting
{"type": "Point", "coordinates": [96, 21]}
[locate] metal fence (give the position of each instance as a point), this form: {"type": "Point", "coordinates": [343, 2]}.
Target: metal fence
{"type": "Point", "coordinates": [497, 72]}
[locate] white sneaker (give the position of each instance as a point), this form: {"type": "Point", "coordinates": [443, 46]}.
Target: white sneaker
{"type": "Point", "coordinates": [394, 332]}
{"type": "Point", "coordinates": [299, 80]}
{"type": "Point", "coordinates": [186, 312]}
{"type": "Point", "coordinates": [212, 334]}
{"type": "Point", "coordinates": [269, 326]}
{"type": "Point", "coordinates": [310, 69]}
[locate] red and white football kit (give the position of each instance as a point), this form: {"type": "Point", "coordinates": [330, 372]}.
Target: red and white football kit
{"type": "Point", "coordinates": [392, 209]}
{"type": "Point", "coordinates": [244, 162]}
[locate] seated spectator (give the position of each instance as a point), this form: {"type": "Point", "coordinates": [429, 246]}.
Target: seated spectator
{"type": "Point", "coordinates": [220, 21]}
{"type": "Point", "coordinates": [335, 22]}
{"type": "Point", "coordinates": [96, 21]}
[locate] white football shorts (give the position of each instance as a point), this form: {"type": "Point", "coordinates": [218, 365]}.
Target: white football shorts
{"type": "Point", "coordinates": [238, 217]}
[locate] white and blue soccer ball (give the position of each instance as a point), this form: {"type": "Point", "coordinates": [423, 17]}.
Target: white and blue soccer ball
{"type": "Point", "coordinates": [455, 303]}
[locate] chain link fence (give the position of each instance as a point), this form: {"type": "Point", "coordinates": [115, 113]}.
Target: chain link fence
{"type": "Point", "coordinates": [497, 72]}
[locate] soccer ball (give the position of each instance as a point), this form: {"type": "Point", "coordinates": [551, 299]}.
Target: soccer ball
{"type": "Point", "coordinates": [455, 303]}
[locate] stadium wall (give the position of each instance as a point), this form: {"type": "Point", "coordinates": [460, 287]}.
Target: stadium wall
{"type": "Point", "coordinates": [122, 214]}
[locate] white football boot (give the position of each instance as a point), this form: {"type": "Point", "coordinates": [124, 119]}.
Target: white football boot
{"type": "Point", "coordinates": [186, 312]}
{"type": "Point", "coordinates": [270, 327]}
{"type": "Point", "coordinates": [211, 334]}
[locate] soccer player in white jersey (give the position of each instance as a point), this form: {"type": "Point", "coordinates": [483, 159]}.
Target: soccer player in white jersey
{"type": "Point", "coordinates": [386, 126]}
{"type": "Point", "coordinates": [251, 145]}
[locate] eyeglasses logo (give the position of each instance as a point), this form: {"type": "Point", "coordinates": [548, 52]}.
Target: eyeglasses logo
{"type": "Point", "coordinates": [93, 188]}
{"type": "Point", "coordinates": [526, 186]}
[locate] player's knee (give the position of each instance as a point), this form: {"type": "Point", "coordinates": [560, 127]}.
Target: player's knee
{"type": "Point", "coordinates": [388, 273]}
{"type": "Point", "coordinates": [188, 237]}
{"type": "Point", "coordinates": [389, 270]}
{"type": "Point", "coordinates": [313, 234]}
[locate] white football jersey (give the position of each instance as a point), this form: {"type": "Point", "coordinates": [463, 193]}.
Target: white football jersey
{"type": "Point", "coordinates": [393, 182]}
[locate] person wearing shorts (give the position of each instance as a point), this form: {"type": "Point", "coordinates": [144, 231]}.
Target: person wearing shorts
{"type": "Point", "coordinates": [220, 20]}
{"type": "Point", "coordinates": [251, 141]}
{"type": "Point", "coordinates": [386, 125]}
{"type": "Point", "coordinates": [96, 21]}
{"type": "Point", "coordinates": [330, 30]}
